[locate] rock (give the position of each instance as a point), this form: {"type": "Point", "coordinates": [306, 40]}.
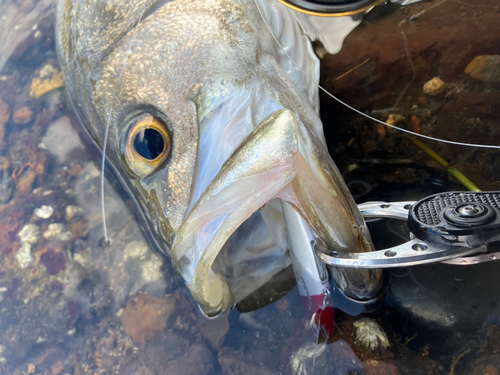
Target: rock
{"type": "Point", "coordinates": [72, 212]}
{"type": "Point", "coordinates": [374, 367]}
{"type": "Point", "coordinates": [4, 163]}
{"type": "Point", "coordinates": [135, 249]}
{"type": "Point", "coordinates": [146, 316]}
{"type": "Point", "coordinates": [23, 255]}
{"type": "Point", "coordinates": [415, 124]}
{"type": "Point", "coordinates": [370, 335]}
{"type": "Point", "coordinates": [29, 233]}
{"type": "Point", "coordinates": [43, 212]}
{"type": "Point", "coordinates": [57, 367]}
{"type": "Point", "coordinates": [344, 359]}
{"type": "Point", "coordinates": [197, 360]}
{"type": "Point", "coordinates": [484, 68]}
{"type": "Point", "coordinates": [395, 119]}
{"type": "Point", "coordinates": [40, 86]}
{"type": "Point", "coordinates": [23, 116]}
{"type": "Point", "coordinates": [233, 363]}
{"type": "Point", "coordinates": [215, 330]}
{"type": "Point", "coordinates": [57, 230]}
{"type": "Point", "coordinates": [4, 112]}
{"type": "Point", "coordinates": [433, 87]}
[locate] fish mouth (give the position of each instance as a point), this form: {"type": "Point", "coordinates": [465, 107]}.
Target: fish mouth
{"type": "Point", "coordinates": [279, 159]}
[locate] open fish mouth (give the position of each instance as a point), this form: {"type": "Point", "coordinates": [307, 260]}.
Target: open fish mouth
{"type": "Point", "coordinates": [279, 159]}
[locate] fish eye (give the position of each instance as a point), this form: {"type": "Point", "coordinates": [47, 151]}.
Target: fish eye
{"type": "Point", "coordinates": [147, 144]}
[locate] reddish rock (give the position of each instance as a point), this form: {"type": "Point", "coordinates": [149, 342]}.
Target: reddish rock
{"type": "Point", "coordinates": [233, 363]}
{"type": "Point", "coordinates": [215, 330]}
{"type": "Point", "coordinates": [54, 260]}
{"type": "Point", "coordinates": [76, 170]}
{"type": "Point", "coordinates": [23, 116]}
{"type": "Point", "coordinates": [197, 360]}
{"type": "Point", "coordinates": [146, 316]}
{"type": "Point", "coordinates": [4, 112]}
{"type": "Point", "coordinates": [484, 68]}
{"type": "Point", "coordinates": [374, 367]}
{"type": "Point", "coordinates": [57, 367]}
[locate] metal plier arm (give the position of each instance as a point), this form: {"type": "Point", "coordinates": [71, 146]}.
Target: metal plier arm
{"type": "Point", "coordinates": [445, 227]}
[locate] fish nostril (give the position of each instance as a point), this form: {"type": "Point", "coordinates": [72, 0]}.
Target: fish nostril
{"type": "Point", "coordinates": [149, 143]}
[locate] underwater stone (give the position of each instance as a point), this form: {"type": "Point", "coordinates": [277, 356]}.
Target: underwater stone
{"type": "Point", "coordinates": [370, 335]}
{"type": "Point", "coordinates": [23, 255]}
{"type": "Point", "coordinates": [43, 212]}
{"type": "Point", "coordinates": [23, 116]}
{"type": "Point", "coordinates": [433, 87]}
{"type": "Point", "coordinates": [2, 291]}
{"type": "Point", "coordinates": [135, 249]}
{"type": "Point", "coordinates": [484, 68]}
{"type": "Point", "coordinates": [56, 230]}
{"type": "Point", "coordinates": [151, 270]}
{"type": "Point", "coordinates": [29, 234]}
{"type": "Point", "coordinates": [72, 212]}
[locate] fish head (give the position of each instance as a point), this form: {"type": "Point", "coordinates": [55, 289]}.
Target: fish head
{"type": "Point", "coordinates": [206, 128]}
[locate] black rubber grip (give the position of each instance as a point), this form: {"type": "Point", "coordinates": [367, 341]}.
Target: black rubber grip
{"type": "Point", "coordinates": [457, 218]}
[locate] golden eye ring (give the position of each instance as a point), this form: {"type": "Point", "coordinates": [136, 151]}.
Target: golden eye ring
{"type": "Point", "coordinates": [147, 145]}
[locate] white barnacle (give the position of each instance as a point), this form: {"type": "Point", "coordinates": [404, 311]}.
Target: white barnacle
{"type": "Point", "coordinates": [370, 335]}
{"type": "Point", "coordinates": [29, 234]}
{"type": "Point", "coordinates": [23, 255]}
{"type": "Point", "coordinates": [43, 212]}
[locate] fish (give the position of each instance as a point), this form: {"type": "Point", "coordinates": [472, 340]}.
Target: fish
{"type": "Point", "coordinates": [211, 125]}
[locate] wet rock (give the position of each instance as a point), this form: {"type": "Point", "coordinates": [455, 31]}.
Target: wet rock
{"type": "Point", "coordinates": [197, 360]}
{"type": "Point", "coordinates": [215, 330]}
{"type": "Point", "coordinates": [41, 86]}
{"type": "Point", "coordinates": [233, 363]}
{"type": "Point", "coordinates": [4, 112]}
{"type": "Point", "coordinates": [57, 367]}
{"type": "Point", "coordinates": [374, 367]}
{"type": "Point", "coordinates": [72, 212]}
{"type": "Point", "coordinates": [5, 187]}
{"type": "Point", "coordinates": [23, 255]}
{"type": "Point", "coordinates": [4, 163]}
{"type": "Point", "coordinates": [23, 116]}
{"type": "Point", "coordinates": [484, 68]}
{"type": "Point", "coordinates": [433, 87]}
{"type": "Point", "coordinates": [415, 124]}
{"type": "Point", "coordinates": [43, 212]}
{"type": "Point", "coordinates": [344, 358]}
{"type": "Point", "coordinates": [57, 230]}
{"type": "Point", "coordinates": [29, 234]}
{"type": "Point", "coordinates": [152, 269]}
{"type": "Point", "coordinates": [54, 259]}
{"type": "Point", "coordinates": [146, 316]}
{"type": "Point", "coordinates": [370, 335]}
{"type": "Point", "coordinates": [61, 138]}
{"type": "Point", "coordinates": [135, 249]}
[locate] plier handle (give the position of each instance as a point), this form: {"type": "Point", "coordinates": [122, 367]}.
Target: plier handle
{"type": "Point", "coordinates": [445, 227]}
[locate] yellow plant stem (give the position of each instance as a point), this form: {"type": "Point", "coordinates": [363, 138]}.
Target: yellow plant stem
{"type": "Point", "coordinates": [453, 171]}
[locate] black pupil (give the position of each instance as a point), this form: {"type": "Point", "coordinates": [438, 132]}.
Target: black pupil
{"type": "Point", "coordinates": [149, 143]}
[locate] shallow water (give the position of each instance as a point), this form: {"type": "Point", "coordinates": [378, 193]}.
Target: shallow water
{"type": "Point", "coordinates": [68, 305]}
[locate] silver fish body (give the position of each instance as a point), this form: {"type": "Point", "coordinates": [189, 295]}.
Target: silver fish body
{"type": "Point", "coordinates": [243, 126]}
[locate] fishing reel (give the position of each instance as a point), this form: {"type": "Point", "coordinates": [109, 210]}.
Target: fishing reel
{"type": "Point", "coordinates": [460, 228]}
{"type": "Point", "coordinates": [336, 8]}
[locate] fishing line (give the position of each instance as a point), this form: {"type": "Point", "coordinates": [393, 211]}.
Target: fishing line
{"type": "Point", "coordinates": [364, 114]}
{"type": "Point", "coordinates": [103, 210]}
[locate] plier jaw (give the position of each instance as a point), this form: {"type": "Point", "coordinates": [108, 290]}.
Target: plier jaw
{"type": "Point", "coordinates": [446, 227]}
